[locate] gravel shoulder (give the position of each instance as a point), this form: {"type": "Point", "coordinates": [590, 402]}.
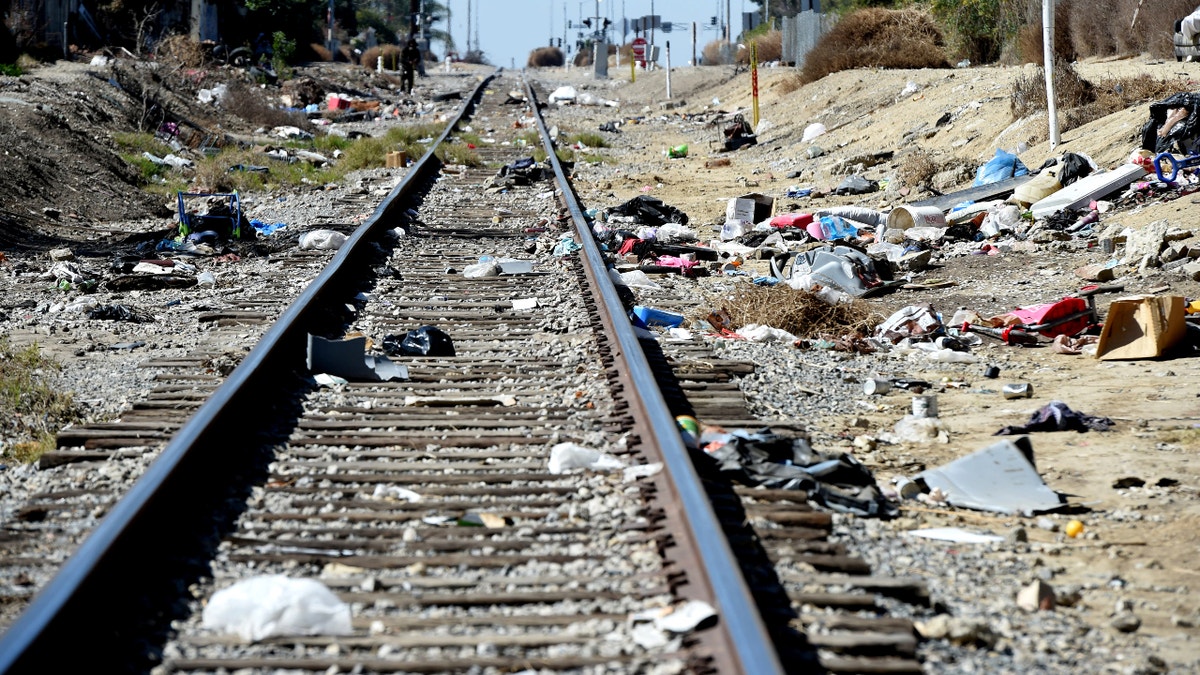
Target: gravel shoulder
{"type": "Point", "coordinates": [1135, 556]}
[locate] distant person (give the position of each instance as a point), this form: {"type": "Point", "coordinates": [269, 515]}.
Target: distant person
{"type": "Point", "coordinates": [410, 56]}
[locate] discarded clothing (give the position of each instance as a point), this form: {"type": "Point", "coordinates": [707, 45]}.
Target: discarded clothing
{"type": "Point", "coordinates": [1056, 416]}
{"type": "Point", "coordinates": [839, 482]}
{"type": "Point", "coordinates": [649, 211]}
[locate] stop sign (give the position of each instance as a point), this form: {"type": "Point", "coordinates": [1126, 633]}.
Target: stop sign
{"type": "Point", "coordinates": [639, 51]}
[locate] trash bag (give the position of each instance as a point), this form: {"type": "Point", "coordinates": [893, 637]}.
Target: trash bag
{"type": "Point", "coordinates": [1182, 136]}
{"type": "Point", "coordinates": [423, 341]}
{"type": "Point", "coordinates": [1035, 189]}
{"type": "Point", "coordinates": [1057, 416]}
{"type": "Point", "coordinates": [856, 185]}
{"type": "Point", "coordinates": [649, 211]}
{"type": "Point", "coordinates": [839, 482]}
{"type": "Point", "coordinates": [118, 313]}
{"type": "Point", "coordinates": [1074, 167]}
{"type": "Point", "coordinates": [1003, 166]}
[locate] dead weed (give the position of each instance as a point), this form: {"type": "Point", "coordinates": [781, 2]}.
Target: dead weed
{"type": "Point", "coordinates": [878, 38]}
{"type": "Point", "coordinates": [798, 312]}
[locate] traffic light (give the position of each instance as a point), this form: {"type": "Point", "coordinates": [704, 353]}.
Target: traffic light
{"type": "Point", "coordinates": [587, 22]}
{"type": "Point", "coordinates": [712, 21]}
{"type": "Point", "coordinates": [607, 23]}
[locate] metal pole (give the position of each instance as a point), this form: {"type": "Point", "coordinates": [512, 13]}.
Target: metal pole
{"type": "Point", "coordinates": [668, 70]}
{"type": "Point", "coordinates": [1048, 59]}
{"type": "Point", "coordinates": [694, 62]}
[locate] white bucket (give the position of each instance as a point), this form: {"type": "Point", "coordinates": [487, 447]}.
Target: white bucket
{"type": "Point", "coordinates": [904, 217]}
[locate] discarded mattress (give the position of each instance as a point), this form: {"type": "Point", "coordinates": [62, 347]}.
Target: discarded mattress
{"type": "Point", "coordinates": [999, 478]}
{"type": "Point", "coordinates": [1082, 191]}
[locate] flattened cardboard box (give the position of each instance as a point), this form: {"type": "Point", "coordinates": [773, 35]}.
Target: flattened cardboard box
{"type": "Point", "coordinates": [1141, 327]}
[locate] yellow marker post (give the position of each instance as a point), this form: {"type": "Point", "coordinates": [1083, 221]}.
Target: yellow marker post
{"type": "Point", "coordinates": [754, 78]}
{"type": "Point", "coordinates": [633, 70]}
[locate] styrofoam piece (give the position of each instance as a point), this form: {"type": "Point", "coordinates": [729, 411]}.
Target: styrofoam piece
{"type": "Point", "coordinates": [1082, 191]}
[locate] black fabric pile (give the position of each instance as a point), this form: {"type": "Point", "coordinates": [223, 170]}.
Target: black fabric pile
{"type": "Point", "coordinates": [1056, 416]}
{"type": "Point", "coordinates": [649, 211]}
{"type": "Point", "coordinates": [838, 482]}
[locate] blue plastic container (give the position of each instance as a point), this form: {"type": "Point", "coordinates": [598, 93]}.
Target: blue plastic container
{"type": "Point", "coordinates": [648, 316]}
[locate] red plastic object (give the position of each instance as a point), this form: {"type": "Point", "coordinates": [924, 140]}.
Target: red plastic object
{"type": "Point", "coordinates": [1037, 315]}
{"type": "Point", "coordinates": [791, 220]}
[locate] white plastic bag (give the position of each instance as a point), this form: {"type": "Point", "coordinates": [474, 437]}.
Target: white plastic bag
{"type": "Point", "coordinates": [490, 268]}
{"type": "Point", "coordinates": [565, 94]}
{"type": "Point", "coordinates": [758, 333]}
{"type": "Point", "coordinates": [735, 228]}
{"type": "Point", "coordinates": [566, 456]}
{"type": "Point", "coordinates": [323, 240]}
{"type": "Point", "coordinates": [812, 131]}
{"type": "Point", "coordinates": [267, 606]}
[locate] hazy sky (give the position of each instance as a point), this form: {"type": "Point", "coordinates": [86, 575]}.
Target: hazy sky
{"type": "Point", "coordinates": [510, 29]}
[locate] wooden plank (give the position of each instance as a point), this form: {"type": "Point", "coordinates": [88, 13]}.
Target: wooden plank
{"type": "Point", "coordinates": [864, 643]}
{"type": "Point", "coordinates": [400, 665]}
{"type": "Point", "coordinates": [870, 666]}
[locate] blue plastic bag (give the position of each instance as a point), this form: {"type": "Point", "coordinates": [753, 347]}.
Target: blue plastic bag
{"type": "Point", "coordinates": [1003, 166]}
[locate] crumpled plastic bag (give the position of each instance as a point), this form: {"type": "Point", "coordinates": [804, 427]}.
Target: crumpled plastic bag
{"type": "Point", "coordinates": [322, 240]}
{"type": "Point", "coordinates": [565, 94]}
{"type": "Point", "coordinates": [275, 605]}
{"type": "Point", "coordinates": [758, 333]}
{"type": "Point", "coordinates": [490, 268]}
{"type": "Point", "coordinates": [914, 321]}
{"type": "Point", "coordinates": [812, 131]}
{"type": "Point", "coordinates": [423, 341]}
{"type": "Point", "coordinates": [1002, 166]}
{"type": "Point", "coordinates": [567, 456]}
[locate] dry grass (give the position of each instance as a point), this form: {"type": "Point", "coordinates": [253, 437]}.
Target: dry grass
{"type": "Point", "coordinates": [248, 104]}
{"type": "Point", "coordinates": [798, 312]}
{"type": "Point", "coordinates": [31, 409]}
{"type": "Point", "coordinates": [770, 48]}
{"type": "Point", "coordinates": [1029, 45]}
{"type": "Point", "coordinates": [713, 53]}
{"type": "Point", "coordinates": [390, 54]}
{"type": "Point", "coordinates": [546, 57]}
{"type": "Point", "coordinates": [878, 38]}
{"type": "Point", "coordinates": [181, 50]}
{"type": "Point", "coordinates": [917, 169]}
{"type": "Point", "coordinates": [1081, 101]}
{"type": "Point", "coordinates": [321, 52]}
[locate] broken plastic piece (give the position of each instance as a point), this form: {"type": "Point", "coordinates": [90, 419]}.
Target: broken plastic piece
{"type": "Point", "coordinates": [999, 478]}
{"type": "Point", "coordinates": [349, 359]}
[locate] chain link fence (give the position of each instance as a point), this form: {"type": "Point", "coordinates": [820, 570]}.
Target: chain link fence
{"type": "Point", "coordinates": [801, 33]}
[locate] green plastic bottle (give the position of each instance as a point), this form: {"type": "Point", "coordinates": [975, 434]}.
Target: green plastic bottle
{"type": "Point", "coordinates": [678, 151]}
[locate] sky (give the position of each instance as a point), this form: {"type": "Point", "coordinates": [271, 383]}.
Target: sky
{"type": "Point", "coordinates": [510, 29]}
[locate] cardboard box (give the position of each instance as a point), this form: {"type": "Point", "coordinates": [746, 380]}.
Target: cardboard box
{"type": "Point", "coordinates": [1141, 327]}
{"type": "Point", "coordinates": [396, 160]}
{"type": "Point", "coordinates": [753, 207]}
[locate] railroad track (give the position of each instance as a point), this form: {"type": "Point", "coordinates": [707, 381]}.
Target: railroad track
{"type": "Point", "coordinates": [427, 502]}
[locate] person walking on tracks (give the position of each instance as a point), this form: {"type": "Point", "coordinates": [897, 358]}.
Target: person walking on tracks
{"type": "Point", "coordinates": [410, 56]}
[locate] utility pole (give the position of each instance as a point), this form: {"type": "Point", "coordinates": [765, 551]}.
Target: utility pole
{"type": "Point", "coordinates": [468, 28]}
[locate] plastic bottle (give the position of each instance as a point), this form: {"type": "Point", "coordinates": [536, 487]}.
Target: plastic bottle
{"type": "Point", "coordinates": [678, 151]}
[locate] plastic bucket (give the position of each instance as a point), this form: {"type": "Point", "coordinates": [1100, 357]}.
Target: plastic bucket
{"type": "Point", "coordinates": [904, 217]}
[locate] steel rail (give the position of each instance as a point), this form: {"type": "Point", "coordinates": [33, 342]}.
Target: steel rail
{"type": "Point", "coordinates": [36, 640]}
{"type": "Point", "coordinates": [738, 615]}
